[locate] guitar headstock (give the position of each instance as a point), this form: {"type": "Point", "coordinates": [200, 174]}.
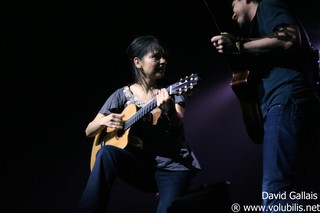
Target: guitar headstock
{"type": "Point", "coordinates": [184, 85]}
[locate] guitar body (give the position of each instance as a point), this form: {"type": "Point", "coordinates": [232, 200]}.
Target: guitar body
{"type": "Point", "coordinates": [111, 136]}
{"type": "Point", "coordinates": [247, 95]}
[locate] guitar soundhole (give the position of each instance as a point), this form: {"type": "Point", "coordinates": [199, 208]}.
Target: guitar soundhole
{"type": "Point", "coordinates": [120, 132]}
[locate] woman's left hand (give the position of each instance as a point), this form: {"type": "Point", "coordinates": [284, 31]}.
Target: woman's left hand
{"type": "Point", "coordinates": [164, 101]}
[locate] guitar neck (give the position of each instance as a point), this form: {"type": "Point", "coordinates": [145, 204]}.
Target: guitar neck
{"type": "Point", "coordinates": [140, 113]}
{"type": "Point", "coordinates": [178, 88]}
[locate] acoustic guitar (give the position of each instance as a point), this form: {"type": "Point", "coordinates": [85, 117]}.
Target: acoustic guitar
{"type": "Point", "coordinates": [119, 138]}
{"type": "Point", "coordinates": [243, 85]}
{"type": "Point", "coordinates": [245, 90]}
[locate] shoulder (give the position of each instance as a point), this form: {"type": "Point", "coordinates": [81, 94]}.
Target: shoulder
{"type": "Point", "coordinates": [118, 94]}
{"type": "Point", "coordinates": [274, 14]}
{"type": "Point", "coordinates": [271, 2]}
{"type": "Point", "coordinates": [273, 6]}
{"type": "Point", "coordinates": [115, 103]}
{"type": "Point", "coordinates": [120, 91]}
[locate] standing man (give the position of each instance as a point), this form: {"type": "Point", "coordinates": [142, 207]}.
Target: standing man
{"type": "Point", "coordinates": [282, 62]}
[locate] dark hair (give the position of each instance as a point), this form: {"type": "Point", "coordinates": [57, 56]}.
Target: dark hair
{"type": "Point", "coordinates": [141, 46]}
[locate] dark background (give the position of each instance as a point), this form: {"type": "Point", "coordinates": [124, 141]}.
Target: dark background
{"type": "Point", "coordinates": [71, 55]}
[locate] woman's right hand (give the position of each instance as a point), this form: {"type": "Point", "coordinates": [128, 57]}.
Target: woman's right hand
{"type": "Point", "coordinates": [112, 120]}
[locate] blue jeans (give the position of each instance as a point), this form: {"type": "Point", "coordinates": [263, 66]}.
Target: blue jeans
{"type": "Point", "coordinates": [138, 171]}
{"type": "Point", "coordinates": [289, 133]}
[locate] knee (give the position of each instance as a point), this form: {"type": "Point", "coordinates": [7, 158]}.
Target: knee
{"type": "Point", "coordinates": [106, 152]}
{"type": "Point", "coordinates": [106, 157]}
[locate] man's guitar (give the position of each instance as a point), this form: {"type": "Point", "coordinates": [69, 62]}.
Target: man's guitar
{"type": "Point", "coordinates": [111, 136]}
{"type": "Point", "coordinates": [246, 92]}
